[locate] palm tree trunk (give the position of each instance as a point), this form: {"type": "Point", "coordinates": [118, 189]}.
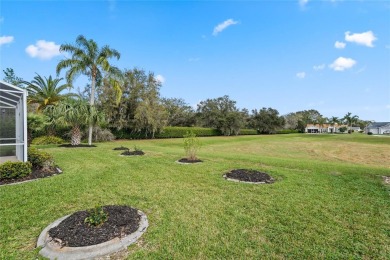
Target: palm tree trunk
{"type": "Point", "coordinates": [91, 102]}
{"type": "Point", "coordinates": [76, 136]}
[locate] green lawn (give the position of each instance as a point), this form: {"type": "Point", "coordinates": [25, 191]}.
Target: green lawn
{"type": "Point", "coordinates": [328, 202]}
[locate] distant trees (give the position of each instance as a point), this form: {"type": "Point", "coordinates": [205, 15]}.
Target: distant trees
{"type": "Point", "coordinates": [350, 119]}
{"type": "Point", "coordinates": [11, 78]}
{"type": "Point", "coordinates": [221, 113]}
{"type": "Point", "coordinates": [266, 120]}
{"type": "Point", "coordinates": [88, 59]}
{"type": "Point", "coordinates": [179, 112]}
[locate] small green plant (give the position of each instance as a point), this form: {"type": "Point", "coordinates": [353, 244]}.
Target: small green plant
{"type": "Point", "coordinates": [191, 145]}
{"type": "Point", "coordinates": [39, 159]}
{"type": "Point", "coordinates": [43, 140]}
{"type": "Point", "coordinates": [14, 170]}
{"type": "Point", "coordinates": [96, 216]}
{"type": "Point", "coordinates": [137, 149]}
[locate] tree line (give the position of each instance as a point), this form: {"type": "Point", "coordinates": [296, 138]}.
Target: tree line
{"type": "Point", "coordinates": [130, 100]}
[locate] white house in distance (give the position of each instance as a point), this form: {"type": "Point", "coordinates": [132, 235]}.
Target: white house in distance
{"type": "Point", "coordinates": [378, 128]}
{"type": "Point", "coordinates": [324, 128]}
{"type": "Point", "coordinates": [13, 123]}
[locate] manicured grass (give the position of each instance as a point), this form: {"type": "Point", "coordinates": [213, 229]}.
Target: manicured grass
{"type": "Point", "coordinates": [328, 202]}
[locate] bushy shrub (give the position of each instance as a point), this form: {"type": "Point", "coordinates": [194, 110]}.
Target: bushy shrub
{"type": "Point", "coordinates": [370, 133]}
{"type": "Point", "coordinates": [39, 159]}
{"type": "Point", "coordinates": [248, 132]}
{"type": "Point", "coordinates": [342, 129]}
{"type": "Point", "coordinates": [287, 131]}
{"type": "Point", "coordinates": [96, 216]}
{"type": "Point", "coordinates": [14, 170]}
{"type": "Point", "coordinates": [191, 145]}
{"type": "Point", "coordinates": [47, 140]}
{"type": "Point", "coordinates": [102, 135]}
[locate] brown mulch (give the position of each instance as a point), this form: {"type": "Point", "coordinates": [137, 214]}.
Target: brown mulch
{"type": "Point", "coordinates": [36, 174]}
{"type": "Point", "coordinates": [249, 176]}
{"type": "Point", "coordinates": [186, 160]}
{"type": "Point", "coordinates": [76, 146]}
{"type": "Point", "coordinates": [128, 153]}
{"type": "Point", "coordinates": [74, 232]}
{"type": "Point", "coordinates": [120, 148]}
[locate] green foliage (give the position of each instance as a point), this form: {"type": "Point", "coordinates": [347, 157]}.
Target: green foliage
{"type": "Point", "coordinates": [179, 112]}
{"type": "Point", "coordinates": [370, 133]}
{"type": "Point", "coordinates": [137, 148]}
{"type": "Point", "coordinates": [14, 170]}
{"type": "Point", "coordinates": [342, 129]}
{"type": "Point", "coordinates": [248, 132]}
{"type": "Point", "coordinates": [11, 78]}
{"type": "Point", "coordinates": [102, 135]}
{"type": "Point", "coordinates": [266, 120]}
{"type": "Point", "coordinates": [179, 132]}
{"type": "Point", "coordinates": [39, 159]}
{"type": "Point", "coordinates": [43, 140]}
{"type": "Point", "coordinates": [287, 131]}
{"type": "Point", "coordinates": [96, 216]}
{"type": "Point", "coordinates": [191, 145]}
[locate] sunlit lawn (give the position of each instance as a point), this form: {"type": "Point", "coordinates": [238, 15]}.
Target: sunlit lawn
{"type": "Point", "coordinates": [328, 202]}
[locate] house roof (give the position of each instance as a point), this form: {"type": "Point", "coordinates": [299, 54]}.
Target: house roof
{"type": "Point", "coordinates": [378, 124]}
{"type": "Point", "coordinates": [10, 95]}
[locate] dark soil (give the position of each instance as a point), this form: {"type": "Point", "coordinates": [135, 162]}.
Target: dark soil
{"type": "Point", "coordinates": [120, 148]}
{"type": "Point", "coordinates": [73, 232]}
{"type": "Point", "coordinates": [186, 160]}
{"type": "Point", "coordinates": [36, 174]}
{"type": "Point", "coordinates": [249, 176]}
{"type": "Point", "coordinates": [128, 153]}
{"type": "Point", "coordinates": [76, 146]}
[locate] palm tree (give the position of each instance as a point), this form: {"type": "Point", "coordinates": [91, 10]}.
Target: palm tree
{"type": "Point", "coordinates": [77, 114]}
{"type": "Point", "coordinates": [88, 59]}
{"type": "Point", "coordinates": [46, 91]}
{"type": "Point", "coordinates": [350, 119]}
{"type": "Point", "coordinates": [321, 121]}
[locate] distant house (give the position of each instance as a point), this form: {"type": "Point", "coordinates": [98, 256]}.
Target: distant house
{"type": "Point", "coordinates": [378, 128]}
{"type": "Point", "coordinates": [324, 128]}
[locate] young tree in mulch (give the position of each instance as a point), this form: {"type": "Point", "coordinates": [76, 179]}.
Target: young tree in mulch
{"type": "Point", "coordinates": [192, 145]}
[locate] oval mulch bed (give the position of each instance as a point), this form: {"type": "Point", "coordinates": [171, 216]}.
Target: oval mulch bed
{"type": "Point", "coordinates": [35, 174]}
{"type": "Point", "coordinates": [70, 238]}
{"type": "Point", "coordinates": [120, 148]}
{"type": "Point", "coordinates": [129, 153]}
{"type": "Point", "coordinates": [185, 161]}
{"type": "Point", "coordinates": [73, 232]}
{"type": "Point", "coordinates": [250, 176]}
{"type": "Point", "coordinates": [76, 146]}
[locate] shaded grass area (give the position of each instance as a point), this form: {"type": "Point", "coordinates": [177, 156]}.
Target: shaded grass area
{"type": "Point", "coordinates": [319, 206]}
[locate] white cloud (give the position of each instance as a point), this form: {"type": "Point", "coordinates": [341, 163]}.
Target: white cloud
{"type": "Point", "coordinates": [342, 63]}
{"type": "Point", "coordinates": [160, 78]}
{"type": "Point", "coordinates": [302, 3]}
{"type": "Point", "coordinates": [339, 45]}
{"type": "Point", "coordinates": [222, 26]}
{"type": "Point", "coordinates": [6, 39]}
{"type": "Point", "coordinates": [301, 75]}
{"type": "Point", "coordinates": [365, 38]}
{"type": "Point", "coordinates": [319, 67]}
{"type": "Point", "coordinates": [43, 50]}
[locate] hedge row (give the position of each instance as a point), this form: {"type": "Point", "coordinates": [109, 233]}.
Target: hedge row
{"type": "Point", "coordinates": [287, 131]}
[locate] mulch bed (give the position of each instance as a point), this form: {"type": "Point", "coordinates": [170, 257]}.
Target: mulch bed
{"type": "Point", "coordinates": [249, 176]}
{"type": "Point", "coordinates": [76, 146]}
{"type": "Point", "coordinates": [185, 160]}
{"type": "Point", "coordinates": [36, 174]}
{"type": "Point", "coordinates": [128, 153]}
{"type": "Point", "coordinates": [120, 148]}
{"type": "Point", "coordinates": [73, 232]}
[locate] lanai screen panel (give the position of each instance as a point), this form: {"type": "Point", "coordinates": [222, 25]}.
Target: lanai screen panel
{"type": "Point", "coordinates": [13, 125]}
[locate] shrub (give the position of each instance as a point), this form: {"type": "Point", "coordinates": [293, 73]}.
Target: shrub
{"type": "Point", "coordinates": [248, 132]}
{"type": "Point", "coordinates": [96, 217]}
{"type": "Point", "coordinates": [14, 170]}
{"type": "Point", "coordinates": [191, 145]}
{"type": "Point", "coordinates": [179, 132]}
{"type": "Point", "coordinates": [370, 133]}
{"type": "Point", "coordinates": [102, 135]}
{"type": "Point", "coordinates": [342, 129]}
{"type": "Point", "coordinates": [47, 140]}
{"type": "Point", "coordinates": [39, 159]}
{"type": "Point", "coordinates": [287, 131]}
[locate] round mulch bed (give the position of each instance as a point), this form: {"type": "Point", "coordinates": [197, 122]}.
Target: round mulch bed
{"type": "Point", "coordinates": [76, 146]}
{"type": "Point", "coordinates": [71, 238]}
{"type": "Point", "coordinates": [35, 174]}
{"type": "Point", "coordinates": [120, 148]}
{"type": "Point", "coordinates": [188, 161]}
{"type": "Point", "coordinates": [73, 232]}
{"type": "Point", "coordinates": [250, 176]}
{"type": "Point", "coordinates": [129, 153]}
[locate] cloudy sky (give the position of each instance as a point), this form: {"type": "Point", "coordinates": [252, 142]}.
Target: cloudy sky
{"type": "Point", "coordinates": [333, 56]}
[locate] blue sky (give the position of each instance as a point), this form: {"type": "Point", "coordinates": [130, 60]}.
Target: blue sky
{"type": "Point", "coordinates": [333, 56]}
